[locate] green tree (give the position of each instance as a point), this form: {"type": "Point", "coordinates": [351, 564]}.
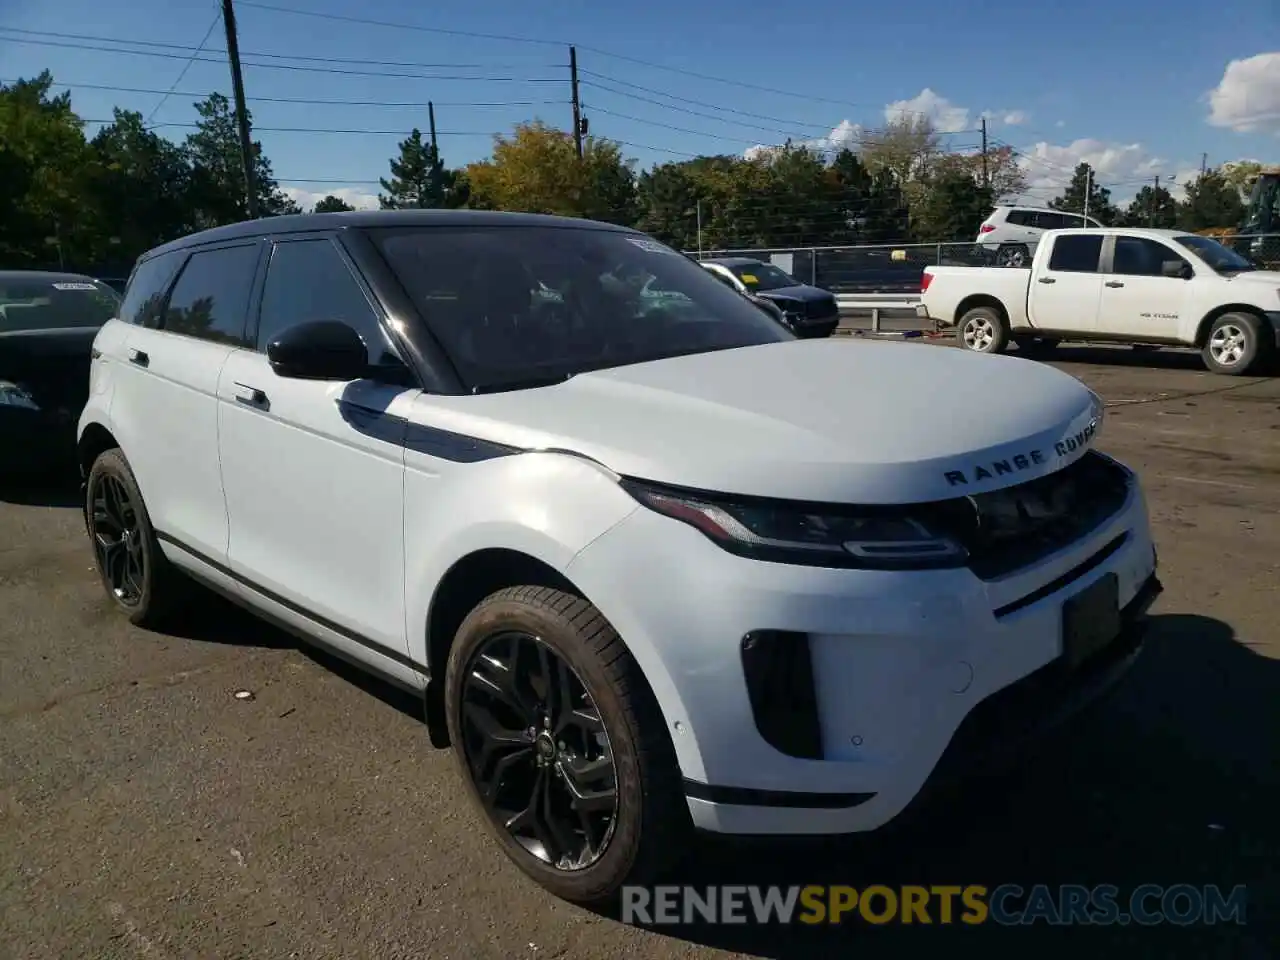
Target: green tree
{"type": "Point", "coordinates": [953, 208]}
{"type": "Point", "coordinates": [419, 179]}
{"type": "Point", "coordinates": [332, 204]}
{"type": "Point", "coordinates": [47, 167]}
{"type": "Point", "coordinates": [1211, 201]}
{"type": "Point", "coordinates": [1084, 182]}
{"type": "Point", "coordinates": [1151, 207]}
{"type": "Point", "coordinates": [668, 199]}
{"type": "Point", "coordinates": [142, 190]}
{"type": "Point", "coordinates": [218, 189]}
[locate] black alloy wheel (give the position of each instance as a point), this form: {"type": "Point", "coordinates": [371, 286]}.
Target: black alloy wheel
{"type": "Point", "coordinates": [537, 750]}
{"type": "Point", "coordinates": [116, 529]}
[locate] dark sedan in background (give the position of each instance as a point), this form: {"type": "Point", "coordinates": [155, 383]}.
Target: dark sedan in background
{"type": "Point", "coordinates": [809, 311]}
{"type": "Point", "coordinates": [48, 322]}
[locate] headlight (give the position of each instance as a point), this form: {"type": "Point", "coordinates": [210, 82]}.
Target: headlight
{"type": "Point", "coordinates": [12, 395]}
{"type": "Point", "coordinates": [868, 538]}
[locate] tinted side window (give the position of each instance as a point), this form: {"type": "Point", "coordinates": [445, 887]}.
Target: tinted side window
{"type": "Point", "coordinates": [1140, 257]}
{"type": "Point", "coordinates": [144, 295]}
{"type": "Point", "coordinates": [308, 280]}
{"type": "Point", "coordinates": [1076, 254]}
{"type": "Point", "coordinates": [1021, 218]}
{"type": "Point", "coordinates": [211, 295]}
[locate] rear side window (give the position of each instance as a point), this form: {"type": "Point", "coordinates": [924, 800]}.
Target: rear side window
{"type": "Point", "coordinates": [1021, 218]}
{"type": "Point", "coordinates": [1076, 254]}
{"type": "Point", "coordinates": [144, 296]}
{"type": "Point", "coordinates": [308, 280]}
{"type": "Point", "coordinates": [210, 298]}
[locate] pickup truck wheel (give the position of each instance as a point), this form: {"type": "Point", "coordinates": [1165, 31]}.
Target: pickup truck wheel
{"type": "Point", "coordinates": [134, 570]}
{"type": "Point", "coordinates": [1234, 344]}
{"type": "Point", "coordinates": [984, 330]}
{"type": "Point", "coordinates": [562, 745]}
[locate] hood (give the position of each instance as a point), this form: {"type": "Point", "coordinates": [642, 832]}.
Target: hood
{"type": "Point", "coordinates": [1268, 278]}
{"type": "Point", "coordinates": [802, 293]}
{"type": "Point", "coordinates": [808, 420]}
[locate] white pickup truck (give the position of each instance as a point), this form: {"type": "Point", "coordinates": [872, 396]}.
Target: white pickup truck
{"type": "Point", "coordinates": [1142, 287]}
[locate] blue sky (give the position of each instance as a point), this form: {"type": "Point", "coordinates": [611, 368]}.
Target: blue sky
{"type": "Point", "coordinates": [1138, 88]}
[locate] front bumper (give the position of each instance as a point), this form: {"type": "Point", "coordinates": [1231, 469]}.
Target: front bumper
{"type": "Point", "coordinates": [913, 673]}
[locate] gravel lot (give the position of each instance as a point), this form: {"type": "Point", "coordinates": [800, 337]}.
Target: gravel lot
{"type": "Point", "coordinates": [147, 812]}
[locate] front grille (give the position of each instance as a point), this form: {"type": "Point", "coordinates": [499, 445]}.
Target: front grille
{"type": "Point", "coordinates": [1007, 530]}
{"type": "Point", "coordinates": [821, 309]}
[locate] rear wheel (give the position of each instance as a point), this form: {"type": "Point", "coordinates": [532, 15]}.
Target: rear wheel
{"type": "Point", "coordinates": [984, 330]}
{"type": "Point", "coordinates": [135, 572]}
{"type": "Point", "coordinates": [1235, 344]}
{"type": "Point", "coordinates": [562, 745]}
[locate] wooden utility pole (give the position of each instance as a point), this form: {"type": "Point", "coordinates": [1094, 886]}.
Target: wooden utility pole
{"type": "Point", "coordinates": [242, 115]}
{"type": "Point", "coordinates": [577, 105]}
{"type": "Point", "coordinates": [431, 119]}
{"type": "Point", "coordinates": [986, 180]}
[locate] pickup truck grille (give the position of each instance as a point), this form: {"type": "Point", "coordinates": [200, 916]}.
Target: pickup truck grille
{"type": "Point", "coordinates": [1007, 530]}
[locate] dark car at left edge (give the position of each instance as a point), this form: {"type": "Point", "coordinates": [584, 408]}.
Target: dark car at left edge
{"type": "Point", "coordinates": [48, 322]}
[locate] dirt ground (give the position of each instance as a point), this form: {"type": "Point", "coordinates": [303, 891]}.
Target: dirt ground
{"type": "Point", "coordinates": [145, 811]}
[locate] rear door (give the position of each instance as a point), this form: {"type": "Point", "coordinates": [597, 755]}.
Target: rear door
{"type": "Point", "coordinates": [164, 407]}
{"type": "Point", "coordinates": [314, 470]}
{"type": "Point", "coordinates": [1067, 284]}
{"type": "Point", "coordinates": [1138, 300]}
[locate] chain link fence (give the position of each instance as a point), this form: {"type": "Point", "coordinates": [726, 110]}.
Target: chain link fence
{"type": "Point", "coordinates": [898, 267]}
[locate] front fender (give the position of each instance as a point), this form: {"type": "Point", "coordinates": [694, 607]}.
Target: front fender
{"type": "Point", "coordinates": [548, 506]}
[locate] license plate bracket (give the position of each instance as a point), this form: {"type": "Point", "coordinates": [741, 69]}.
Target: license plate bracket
{"type": "Point", "coordinates": [1091, 619]}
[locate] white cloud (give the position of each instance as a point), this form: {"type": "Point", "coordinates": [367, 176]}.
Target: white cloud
{"type": "Point", "coordinates": [1247, 99]}
{"type": "Point", "coordinates": [1123, 168]}
{"type": "Point", "coordinates": [945, 115]}
{"type": "Point", "coordinates": [354, 196]}
{"type": "Point", "coordinates": [1060, 124]}
{"type": "Point", "coordinates": [843, 134]}
{"type": "Point", "coordinates": [1016, 118]}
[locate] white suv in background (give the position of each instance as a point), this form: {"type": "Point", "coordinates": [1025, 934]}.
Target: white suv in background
{"type": "Point", "coordinates": [645, 563]}
{"type": "Point", "coordinates": [1010, 234]}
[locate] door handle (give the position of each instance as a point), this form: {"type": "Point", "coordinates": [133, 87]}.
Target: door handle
{"type": "Point", "coordinates": [250, 395]}
{"type": "Point", "coordinates": [139, 357]}
{"type": "Point", "coordinates": [1114, 283]}
{"type": "Point", "coordinates": [1048, 280]}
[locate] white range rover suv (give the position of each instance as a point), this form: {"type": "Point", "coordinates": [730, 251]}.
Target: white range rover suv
{"type": "Point", "coordinates": [652, 568]}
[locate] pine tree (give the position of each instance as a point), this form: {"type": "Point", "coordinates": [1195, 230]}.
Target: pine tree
{"type": "Point", "coordinates": [419, 179]}
{"type": "Point", "coordinates": [1099, 207]}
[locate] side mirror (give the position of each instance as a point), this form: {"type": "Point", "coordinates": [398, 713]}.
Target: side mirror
{"type": "Point", "coordinates": [320, 350]}
{"type": "Point", "coordinates": [1177, 269]}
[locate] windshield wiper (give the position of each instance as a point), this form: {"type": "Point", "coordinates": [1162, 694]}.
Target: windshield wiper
{"type": "Point", "coordinates": [523, 383]}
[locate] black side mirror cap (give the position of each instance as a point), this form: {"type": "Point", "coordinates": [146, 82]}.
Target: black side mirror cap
{"type": "Point", "coordinates": [319, 350]}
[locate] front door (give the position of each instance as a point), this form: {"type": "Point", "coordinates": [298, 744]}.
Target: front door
{"type": "Point", "coordinates": [314, 470]}
{"type": "Point", "coordinates": [1138, 300]}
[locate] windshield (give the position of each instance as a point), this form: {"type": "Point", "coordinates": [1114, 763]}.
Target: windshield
{"type": "Point", "coordinates": [762, 276]}
{"type": "Point", "coordinates": [519, 306]}
{"type": "Point", "coordinates": [39, 304]}
{"type": "Point", "coordinates": [1222, 259]}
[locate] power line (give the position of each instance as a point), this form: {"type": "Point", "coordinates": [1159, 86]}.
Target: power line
{"type": "Point", "coordinates": [285, 66]}
{"type": "Point", "coordinates": [165, 45]}
{"type": "Point", "coordinates": [217, 17]}
{"type": "Point", "coordinates": [333, 130]}
{"type": "Point", "coordinates": [310, 102]}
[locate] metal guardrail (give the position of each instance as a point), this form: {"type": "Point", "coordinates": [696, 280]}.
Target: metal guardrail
{"type": "Point", "coordinates": [875, 303]}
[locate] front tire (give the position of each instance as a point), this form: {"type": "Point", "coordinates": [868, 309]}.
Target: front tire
{"type": "Point", "coordinates": [135, 573]}
{"type": "Point", "coordinates": [1234, 344]}
{"type": "Point", "coordinates": [562, 745]}
{"type": "Point", "coordinates": [984, 330]}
